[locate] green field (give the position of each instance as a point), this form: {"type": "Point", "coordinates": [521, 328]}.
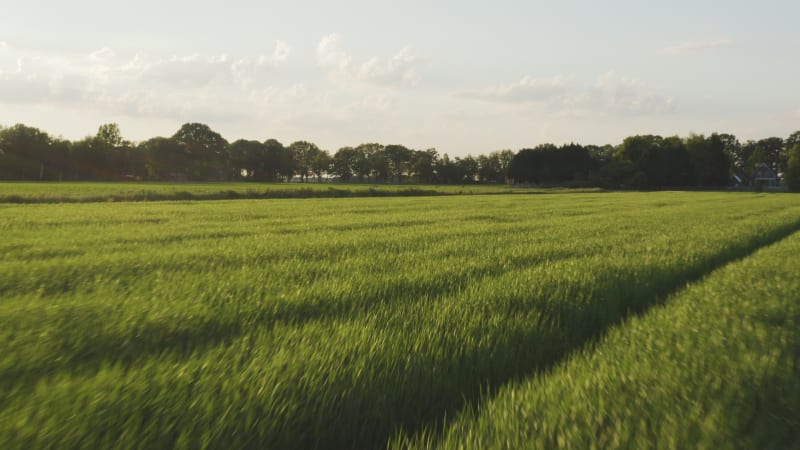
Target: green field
{"type": "Point", "coordinates": [475, 320]}
{"type": "Point", "coordinates": [75, 192]}
{"type": "Point", "coordinates": [717, 367]}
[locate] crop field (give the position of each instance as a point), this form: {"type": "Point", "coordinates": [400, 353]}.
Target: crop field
{"type": "Point", "coordinates": [76, 192]}
{"type": "Point", "coordinates": [717, 367]}
{"type": "Point", "coordinates": [577, 320]}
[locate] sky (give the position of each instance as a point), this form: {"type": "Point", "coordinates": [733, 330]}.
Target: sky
{"type": "Point", "coordinates": [464, 77]}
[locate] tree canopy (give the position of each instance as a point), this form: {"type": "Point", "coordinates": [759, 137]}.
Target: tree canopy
{"type": "Point", "coordinates": [197, 152]}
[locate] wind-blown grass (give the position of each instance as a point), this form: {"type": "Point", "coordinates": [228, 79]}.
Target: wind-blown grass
{"type": "Point", "coordinates": [326, 322]}
{"type": "Point", "coordinates": [716, 367]}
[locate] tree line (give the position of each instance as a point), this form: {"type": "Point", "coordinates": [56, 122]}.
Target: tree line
{"type": "Point", "coordinates": [198, 153]}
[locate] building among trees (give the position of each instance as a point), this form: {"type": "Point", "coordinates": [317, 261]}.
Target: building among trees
{"type": "Point", "coordinates": [763, 176]}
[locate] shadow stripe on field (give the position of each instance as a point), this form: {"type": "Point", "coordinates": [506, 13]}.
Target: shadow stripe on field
{"type": "Point", "coordinates": [498, 365]}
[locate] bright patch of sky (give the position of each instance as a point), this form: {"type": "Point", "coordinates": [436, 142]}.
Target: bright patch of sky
{"type": "Point", "coordinates": [461, 76]}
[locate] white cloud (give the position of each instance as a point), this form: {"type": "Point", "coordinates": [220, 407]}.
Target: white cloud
{"type": "Point", "coordinates": [399, 70]}
{"type": "Point", "coordinates": [198, 70]}
{"type": "Point", "coordinates": [104, 54]}
{"type": "Point", "coordinates": [179, 86]}
{"type": "Point", "coordinates": [609, 94]}
{"type": "Point", "coordinates": [330, 57]}
{"type": "Point", "coordinates": [525, 90]}
{"type": "Point", "coordinates": [189, 71]}
{"type": "Point", "coordinates": [277, 96]}
{"type": "Point", "coordinates": [612, 92]}
{"type": "Point", "coordinates": [281, 52]}
{"type": "Point", "coordinates": [688, 47]}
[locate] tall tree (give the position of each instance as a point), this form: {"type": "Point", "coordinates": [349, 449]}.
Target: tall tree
{"type": "Point", "coordinates": [110, 134]}
{"type": "Point", "coordinates": [528, 165]}
{"type": "Point", "coordinates": [372, 162]}
{"type": "Point", "coordinates": [447, 171]}
{"type": "Point", "coordinates": [710, 163]}
{"type": "Point", "coordinates": [791, 141]}
{"type": "Point", "coordinates": [207, 150]}
{"type": "Point", "coordinates": [246, 159]}
{"type": "Point", "coordinates": [166, 158]}
{"type": "Point", "coordinates": [733, 149]}
{"type": "Point", "coordinates": [489, 170]}
{"type": "Point", "coordinates": [278, 162]}
{"type": "Point", "coordinates": [321, 164]}
{"type": "Point", "coordinates": [467, 168]}
{"type": "Point", "coordinates": [343, 163]}
{"type": "Point", "coordinates": [552, 165]}
{"type": "Point", "coordinates": [304, 154]}
{"type": "Point", "coordinates": [422, 165]}
{"type": "Point", "coordinates": [58, 164]}
{"type": "Point", "coordinates": [23, 152]}
{"type": "Point", "coordinates": [379, 163]}
{"type": "Point", "coordinates": [792, 174]}
{"type": "Point", "coordinates": [771, 152]}
{"type": "Point", "coordinates": [661, 161]}
{"type": "Point", "coordinates": [399, 159]}
{"type": "Point", "coordinates": [602, 154]}
{"type": "Point", "coordinates": [106, 155]}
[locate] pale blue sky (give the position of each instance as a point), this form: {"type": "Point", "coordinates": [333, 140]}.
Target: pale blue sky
{"type": "Point", "coordinates": [464, 77]}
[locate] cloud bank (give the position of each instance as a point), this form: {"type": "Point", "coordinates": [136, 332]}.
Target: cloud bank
{"type": "Point", "coordinates": [610, 93]}
{"type": "Point", "coordinates": [177, 86]}
{"type": "Point", "coordinates": [399, 70]}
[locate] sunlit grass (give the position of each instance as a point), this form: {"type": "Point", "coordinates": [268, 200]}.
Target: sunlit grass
{"type": "Point", "coordinates": [716, 367]}
{"type": "Point", "coordinates": [327, 322]}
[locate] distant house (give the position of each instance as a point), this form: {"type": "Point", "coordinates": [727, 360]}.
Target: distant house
{"type": "Point", "coordinates": [763, 176]}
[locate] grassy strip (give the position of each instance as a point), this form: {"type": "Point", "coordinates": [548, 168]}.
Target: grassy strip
{"type": "Point", "coordinates": [323, 323]}
{"type": "Point", "coordinates": [230, 194]}
{"type": "Point", "coordinates": [717, 367]}
{"type": "Point", "coordinates": [93, 192]}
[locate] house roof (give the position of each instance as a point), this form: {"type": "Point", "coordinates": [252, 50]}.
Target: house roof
{"type": "Point", "coordinates": [763, 171]}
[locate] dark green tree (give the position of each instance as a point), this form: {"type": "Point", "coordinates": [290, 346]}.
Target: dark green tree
{"type": "Point", "coordinates": [246, 159]}
{"type": "Point", "coordinates": [493, 168]}
{"type": "Point", "coordinates": [620, 173]}
{"type": "Point", "coordinates": [110, 134]}
{"type": "Point", "coordinates": [601, 154]}
{"type": "Point", "coordinates": [549, 164]}
{"type": "Point", "coordinates": [468, 169]}
{"type": "Point", "coordinates": [343, 163]}
{"type": "Point", "coordinates": [362, 161]}
{"type": "Point", "coordinates": [447, 170]}
{"type": "Point", "coordinates": [399, 161]}
{"type": "Point", "coordinates": [422, 162]}
{"type": "Point", "coordinates": [278, 163]}
{"type": "Point", "coordinates": [792, 175]}
{"type": "Point", "coordinates": [166, 158]}
{"type": "Point", "coordinates": [107, 156]}
{"type": "Point", "coordinates": [303, 153]}
{"type": "Point", "coordinates": [321, 164]}
{"type": "Point", "coordinates": [710, 163]}
{"type": "Point", "coordinates": [377, 161]}
{"type": "Point", "coordinates": [23, 152]}
{"type": "Point", "coordinates": [59, 161]}
{"type": "Point", "coordinates": [661, 161]}
{"type": "Point", "coordinates": [771, 152]}
{"type": "Point", "coordinates": [791, 141]}
{"type": "Point", "coordinates": [207, 150]}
